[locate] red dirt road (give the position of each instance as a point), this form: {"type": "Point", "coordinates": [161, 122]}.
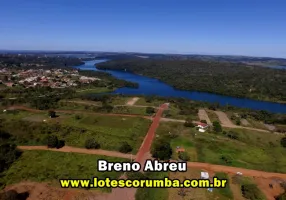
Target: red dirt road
{"type": "Point", "coordinates": [146, 145]}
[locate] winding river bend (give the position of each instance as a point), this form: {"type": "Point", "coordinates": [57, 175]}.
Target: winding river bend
{"type": "Point", "coordinates": [151, 86]}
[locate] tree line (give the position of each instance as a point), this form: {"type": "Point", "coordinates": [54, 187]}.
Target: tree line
{"type": "Point", "coordinates": [232, 79]}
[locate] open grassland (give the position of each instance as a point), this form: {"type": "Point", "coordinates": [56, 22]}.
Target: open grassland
{"type": "Point", "coordinates": [213, 117]}
{"type": "Point", "coordinates": [75, 129]}
{"type": "Point", "coordinates": [92, 90]}
{"type": "Point", "coordinates": [153, 193]}
{"type": "Point", "coordinates": [250, 149]}
{"type": "Point", "coordinates": [154, 102]}
{"type": "Point", "coordinates": [49, 166]}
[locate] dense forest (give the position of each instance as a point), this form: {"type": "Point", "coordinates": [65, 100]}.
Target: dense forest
{"type": "Point", "coordinates": [37, 61]}
{"type": "Point", "coordinates": [208, 76]}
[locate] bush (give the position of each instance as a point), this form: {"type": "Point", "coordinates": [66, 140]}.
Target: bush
{"type": "Point", "coordinates": [150, 110]}
{"type": "Point", "coordinates": [217, 127]}
{"type": "Point", "coordinates": [135, 176]}
{"type": "Point", "coordinates": [52, 141]}
{"type": "Point", "coordinates": [125, 148]}
{"type": "Point", "coordinates": [281, 196]}
{"type": "Point", "coordinates": [162, 150]}
{"type": "Point", "coordinates": [250, 191]}
{"type": "Point", "coordinates": [91, 144]}
{"type": "Point", "coordinates": [184, 156]}
{"type": "Point", "coordinates": [283, 142]}
{"type": "Point", "coordinates": [52, 114]}
{"type": "Point", "coordinates": [189, 123]}
{"type": "Point", "coordinates": [13, 195]}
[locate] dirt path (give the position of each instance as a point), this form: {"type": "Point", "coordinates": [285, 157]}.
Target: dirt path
{"type": "Point", "coordinates": [172, 120]}
{"type": "Point", "coordinates": [223, 118]}
{"type": "Point", "coordinates": [79, 150]}
{"type": "Point", "coordinates": [234, 170]}
{"type": "Point", "coordinates": [132, 101]}
{"type": "Point", "coordinates": [204, 116]}
{"type": "Point", "coordinates": [146, 145]}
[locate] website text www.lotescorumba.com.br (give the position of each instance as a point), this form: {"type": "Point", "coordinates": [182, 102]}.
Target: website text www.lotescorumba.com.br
{"type": "Point", "coordinates": [148, 183]}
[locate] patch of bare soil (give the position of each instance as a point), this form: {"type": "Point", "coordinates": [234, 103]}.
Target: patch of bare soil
{"type": "Point", "coordinates": [132, 101]}
{"type": "Point", "coordinates": [204, 116]}
{"type": "Point", "coordinates": [223, 118]}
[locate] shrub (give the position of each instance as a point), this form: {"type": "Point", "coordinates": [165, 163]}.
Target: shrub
{"type": "Point", "coordinates": [135, 176]}
{"type": "Point", "coordinates": [52, 114]}
{"type": "Point", "coordinates": [184, 156]}
{"type": "Point", "coordinates": [125, 148]}
{"type": "Point", "coordinates": [150, 110]}
{"type": "Point", "coordinates": [52, 141]}
{"type": "Point", "coordinates": [91, 144]}
{"type": "Point", "coordinates": [162, 150]}
{"type": "Point", "coordinates": [217, 127]}
{"type": "Point", "coordinates": [189, 123]}
{"type": "Point", "coordinates": [250, 191]}
{"type": "Point", "coordinates": [281, 196]}
{"type": "Point", "coordinates": [283, 142]}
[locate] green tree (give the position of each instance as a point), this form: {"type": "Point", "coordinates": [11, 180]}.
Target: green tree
{"type": "Point", "coordinates": [217, 127]}
{"type": "Point", "coordinates": [250, 191]}
{"type": "Point", "coordinates": [91, 144]}
{"type": "Point", "coordinates": [52, 114]}
{"type": "Point", "coordinates": [125, 148]}
{"type": "Point", "coordinates": [150, 110]}
{"type": "Point", "coordinates": [162, 150]}
{"type": "Point", "coordinates": [189, 123]}
{"type": "Point", "coordinates": [283, 142]}
{"type": "Point", "coordinates": [52, 141]}
{"type": "Point", "coordinates": [184, 156]}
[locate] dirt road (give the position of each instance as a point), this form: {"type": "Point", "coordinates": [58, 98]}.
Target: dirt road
{"type": "Point", "coordinates": [132, 101]}
{"type": "Point", "coordinates": [146, 145]}
{"type": "Point", "coordinates": [204, 116]}
{"type": "Point", "coordinates": [79, 150]}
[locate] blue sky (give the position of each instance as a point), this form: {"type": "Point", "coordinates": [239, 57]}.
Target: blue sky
{"type": "Point", "coordinates": [232, 27]}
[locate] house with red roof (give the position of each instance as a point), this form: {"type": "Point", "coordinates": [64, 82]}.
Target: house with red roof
{"type": "Point", "coordinates": [202, 127]}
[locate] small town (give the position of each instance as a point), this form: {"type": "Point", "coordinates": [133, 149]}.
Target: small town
{"type": "Point", "coordinates": [54, 78]}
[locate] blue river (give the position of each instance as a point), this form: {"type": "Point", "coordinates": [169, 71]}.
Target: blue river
{"type": "Point", "coordinates": [151, 86]}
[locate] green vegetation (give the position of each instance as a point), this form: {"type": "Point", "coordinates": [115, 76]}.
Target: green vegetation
{"type": "Point", "coordinates": [75, 129]}
{"type": "Point", "coordinates": [233, 147]}
{"type": "Point", "coordinates": [217, 127]}
{"type": "Point", "coordinates": [153, 193]}
{"type": "Point", "coordinates": [49, 166]}
{"type": "Point", "coordinates": [150, 110]}
{"type": "Point", "coordinates": [231, 79]}
{"type": "Point", "coordinates": [184, 156]}
{"type": "Point", "coordinates": [250, 191]}
{"type": "Point", "coordinates": [226, 192]}
{"type": "Point", "coordinates": [283, 142]}
{"type": "Point", "coordinates": [162, 150]}
{"type": "Point", "coordinates": [91, 144]}
{"type": "Point", "coordinates": [125, 148]}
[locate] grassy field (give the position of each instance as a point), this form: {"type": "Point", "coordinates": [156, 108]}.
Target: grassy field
{"type": "Point", "coordinates": [130, 110]}
{"type": "Point", "coordinates": [75, 129]}
{"type": "Point", "coordinates": [226, 192]}
{"type": "Point", "coordinates": [155, 102]}
{"type": "Point", "coordinates": [248, 151]}
{"type": "Point", "coordinates": [48, 166]}
{"type": "Point", "coordinates": [213, 117]}
{"type": "Point", "coordinates": [153, 193]}
{"type": "Point", "coordinates": [93, 90]}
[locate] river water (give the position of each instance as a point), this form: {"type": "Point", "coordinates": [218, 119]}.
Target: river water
{"type": "Point", "coordinates": [151, 86]}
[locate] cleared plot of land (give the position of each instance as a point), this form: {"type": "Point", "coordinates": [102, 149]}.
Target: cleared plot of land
{"type": "Point", "coordinates": [155, 102]}
{"type": "Point", "coordinates": [75, 129]}
{"type": "Point", "coordinates": [132, 101]}
{"type": "Point", "coordinates": [204, 116]}
{"type": "Point", "coordinates": [248, 150]}
{"type": "Point", "coordinates": [48, 166]}
{"type": "Point", "coordinates": [212, 115]}
{"type": "Point", "coordinates": [223, 118]}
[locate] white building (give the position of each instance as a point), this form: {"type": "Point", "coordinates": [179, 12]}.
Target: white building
{"type": "Point", "coordinates": [202, 127]}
